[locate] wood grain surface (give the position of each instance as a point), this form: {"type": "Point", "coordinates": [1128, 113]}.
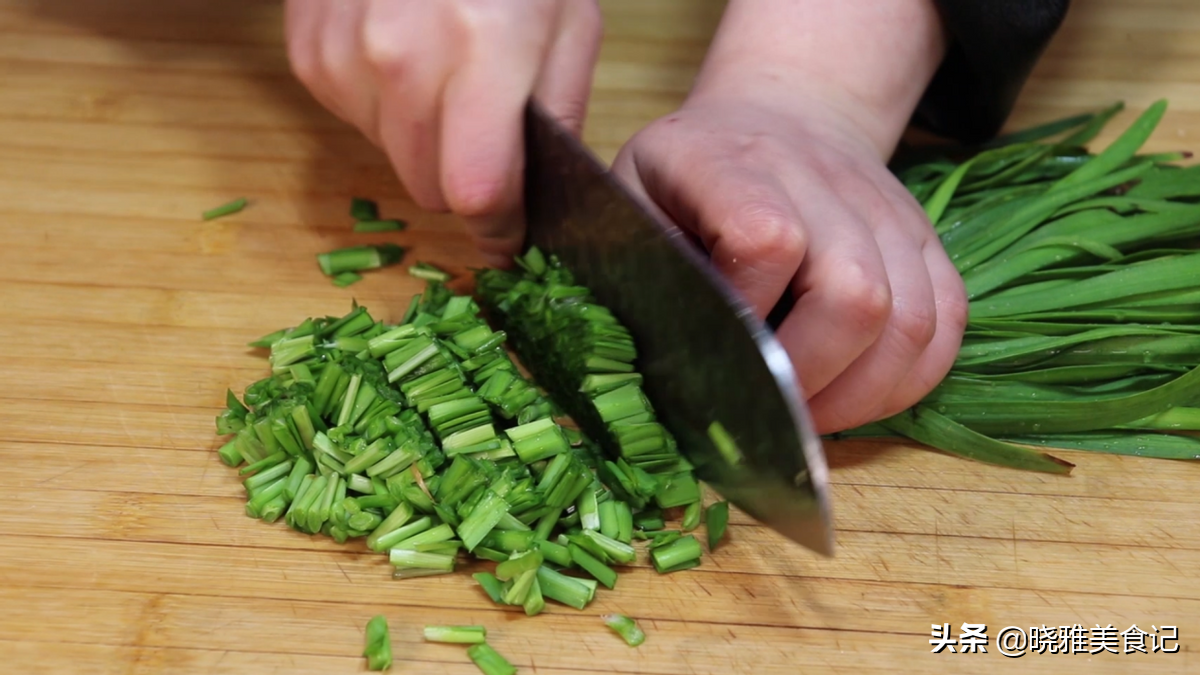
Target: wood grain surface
{"type": "Point", "coordinates": [123, 318]}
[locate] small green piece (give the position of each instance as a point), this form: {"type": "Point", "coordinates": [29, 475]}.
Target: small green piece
{"type": "Point", "coordinates": [378, 648]}
{"type": "Point", "coordinates": [691, 517]}
{"type": "Point", "coordinates": [428, 272]}
{"type": "Point", "coordinates": [626, 627]}
{"type": "Point", "coordinates": [463, 635]}
{"type": "Point", "coordinates": [716, 517]}
{"type": "Point", "coordinates": [372, 225]}
{"type": "Point", "coordinates": [362, 208]}
{"type": "Point", "coordinates": [227, 209]}
{"type": "Point", "coordinates": [490, 585]}
{"type": "Point", "coordinates": [358, 258]}
{"type": "Point", "coordinates": [489, 660]}
{"type": "Point", "coordinates": [682, 553]}
{"type": "Point", "coordinates": [346, 279]}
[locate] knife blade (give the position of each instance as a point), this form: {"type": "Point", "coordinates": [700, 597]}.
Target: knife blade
{"type": "Point", "coordinates": [705, 356]}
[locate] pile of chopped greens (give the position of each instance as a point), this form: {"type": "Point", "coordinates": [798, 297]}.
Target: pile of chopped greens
{"type": "Point", "coordinates": [424, 440]}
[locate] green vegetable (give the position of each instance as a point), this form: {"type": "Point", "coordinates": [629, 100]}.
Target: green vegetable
{"type": "Point", "coordinates": [456, 634]}
{"type": "Point", "coordinates": [1084, 298]}
{"type": "Point", "coordinates": [428, 272]}
{"type": "Point", "coordinates": [345, 279]}
{"type": "Point", "coordinates": [378, 648]}
{"type": "Point", "coordinates": [359, 258]}
{"type": "Point", "coordinates": [490, 661]}
{"type": "Point", "coordinates": [224, 209]}
{"type": "Point", "coordinates": [681, 554]}
{"type": "Point", "coordinates": [716, 517]}
{"type": "Point", "coordinates": [374, 225]}
{"type": "Point", "coordinates": [626, 627]}
{"type": "Point", "coordinates": [363, 209]}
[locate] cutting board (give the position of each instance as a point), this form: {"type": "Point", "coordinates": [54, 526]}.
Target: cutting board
{"type": "Point", "coordinates": [124, 318]}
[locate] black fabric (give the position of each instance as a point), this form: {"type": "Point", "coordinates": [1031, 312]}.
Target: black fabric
{"type": "Point", "coordinates": [994, 45]}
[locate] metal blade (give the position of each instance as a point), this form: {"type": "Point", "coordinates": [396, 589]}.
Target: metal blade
{"type": "Point", "coordinates": [705, 355]}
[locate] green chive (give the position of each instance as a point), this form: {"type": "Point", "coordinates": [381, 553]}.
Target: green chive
{"type": "Point", "coordinates": [489, 661]}
{"type": "Point", "coordinates": [224, 209]}
{"type": "Point", "coordinates": [378, 649]}
{"type": "Point", "coordinates": [626, 627]}
{"type": "Point", "coordinates": [716, 517]}
{"type": "Point", "coordinates": [466, 635]}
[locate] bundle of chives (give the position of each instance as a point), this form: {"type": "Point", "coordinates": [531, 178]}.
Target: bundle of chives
{"type": "Point", "coordinates": [1084, 292]}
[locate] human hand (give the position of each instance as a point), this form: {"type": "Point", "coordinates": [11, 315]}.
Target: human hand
{"type": "Point", "coordinates": [441, 87]}
{"type": "Point", "coordinates": [797, 197]}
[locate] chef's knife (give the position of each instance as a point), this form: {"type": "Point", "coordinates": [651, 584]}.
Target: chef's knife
{"type": "Point", "coordinates": [705, 355]}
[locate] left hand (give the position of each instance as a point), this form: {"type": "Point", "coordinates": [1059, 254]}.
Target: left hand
{"type": "Point", "coordinates": [796, 196]}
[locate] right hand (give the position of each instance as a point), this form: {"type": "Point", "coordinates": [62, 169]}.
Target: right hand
{"type": "Point", "coordinates": [441, 87]}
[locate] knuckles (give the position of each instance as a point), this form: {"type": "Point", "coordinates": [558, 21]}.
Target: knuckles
{"type": "Point", "coordinates": [863, 297]}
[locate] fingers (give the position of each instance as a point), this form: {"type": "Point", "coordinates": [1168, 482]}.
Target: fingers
{"type": "Point", "coordinates": [938, 358]}
{"type": "Point", "coordinates": [302, 26]}
{"type": "Point", "coordinates": [844, 298]}
{"type": "Point", "coordinates": [482, 153]}
{"type": "Point", "coordinates": [745, 219]}
{"type": "Point", "coordinates": [860, 392]}
{"type": "Point", "coordinates": [341, 54]}
{"type": "Point", "coordinates": [565, 82]}
{"type": "Point", "coordinates": [409, 70]}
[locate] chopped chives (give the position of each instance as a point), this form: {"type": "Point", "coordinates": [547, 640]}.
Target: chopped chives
{"type": "Point", "coordinates": [677, 555]}
{"type": "Point", "coordinates": [394, 538]}
{"type": "Point", "coordinates": [456, 634]}
{"type": "Point", "coordinates": [405, 558]}
{"type": "Point", "coordinates": [490, 585]}
{"type": "Point", "coordinates": [519, 564]}
{"type": "Point", "coordinates": [359, 258]}
{"type": "Point", "coordinates": [569, 591]}
{"type": "Point", "coordinates": [489, 661]}
{"type": "Point", "coordinates": [603, 573]}
{"type": "Point", "coordinates": [426, 271]}
{"type": "Point", "coordinates": [716, 517]}
{"type": "Point", "coordinates": [345, 279]}
{"type": "Point", "coordinates": [534, 602]}
{"type": "Point", "coordinates": [518, 589]}
{"type": "Point", "coordinates": [226, 209]}
{"type": "Point", "coordinates": [377, 225]}
{"type": "Point", "coordinates": [378, 649]}
{"type": "Point", "coordinates": [691, 517]}
{"type": "Point", "coordinates": [362, 208]}
{"type": "Point", "coordinates": [626, 627]}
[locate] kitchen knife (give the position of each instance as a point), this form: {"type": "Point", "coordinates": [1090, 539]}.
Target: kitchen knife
{"type": "Point", "coordinates": [705, 355]}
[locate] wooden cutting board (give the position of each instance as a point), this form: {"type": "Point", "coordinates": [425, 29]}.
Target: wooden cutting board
{"type": "Point", "coordinates": [123, 318]}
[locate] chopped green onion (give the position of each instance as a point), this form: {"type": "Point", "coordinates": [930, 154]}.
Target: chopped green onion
{"type": "Point", "coordinates": [681, 554]}
{"type": "Point", "coordinates": [519, 564]}
{"type": "Point", "coordinates": [378, 649]}
{"type": "Point", "coordinates": [716, 518]}
{"type": "Point", "coordinates": [691, 517]}
{"type": "Point", "coordinates": [345, 279]}
{"type": "Point", "coordinates": [569, 591]}
{"type": "Point", "coordinates": [226, 209]}
{"type": "Point", "coordinates": [379, 225]}
{"type": "Point", "coordinates": [592, 566]}
{"type": "Point", "coordinates": [426, 271]}
{"type": "Point", "coordinates": [456, 634]}
{"type": "Point", "coordinates": [362, 208]}
{"type": "Point", "coordinates": [489, 661]}
{"type": "Point", "coordinates": [626, 627]}
{"type": "Point", "coordinates": [490, 585]}
{"type": "Point", "coordinates": [359, 258]}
